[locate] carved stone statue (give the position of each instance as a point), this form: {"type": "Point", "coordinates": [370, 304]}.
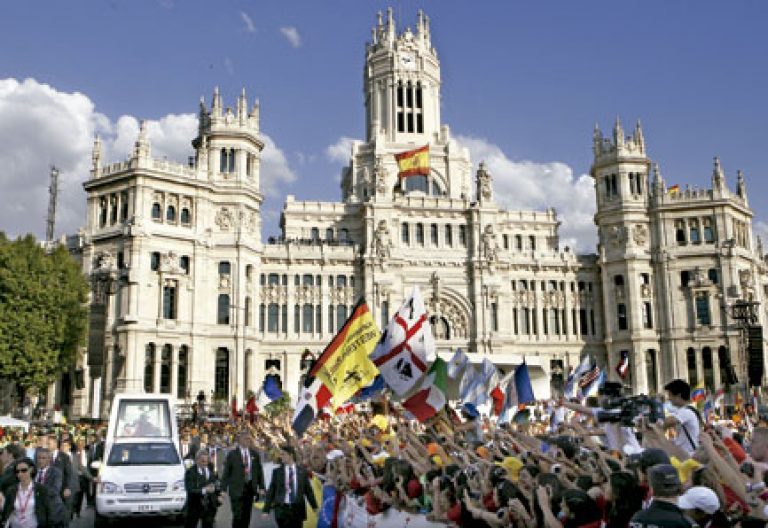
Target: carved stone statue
{"type": "Point", "coordinates": [382, 243]}
{"type": "Point", "coordinates": [490, 248]}
{"type": "Point", "coordinates": [105, 261]}
{"type": "Point", "coordinates": [484, 191]}
{"type": "Point", "coordinates": [640, 235]}
{"type": "Point", "coordinates": [224, 219]}
{"type": "Point", "coordinates": [380, 175]}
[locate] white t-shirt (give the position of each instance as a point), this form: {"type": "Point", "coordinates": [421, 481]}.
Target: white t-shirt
{"type": "Point", "coordinates": [688, 419]}
{"type": "Point", "coordinates": [616, 435]}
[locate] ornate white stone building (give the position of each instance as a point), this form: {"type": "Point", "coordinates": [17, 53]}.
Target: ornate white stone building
{"type": "Point", "coordinates": [188, 297]}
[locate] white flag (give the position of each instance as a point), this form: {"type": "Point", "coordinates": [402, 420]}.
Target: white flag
{"type": "Point", "coordinates": [477, 391]}
{"type": "Point", "coordinates": [458, 363]}
{"type": "Point", "coordinates": [405, 346]}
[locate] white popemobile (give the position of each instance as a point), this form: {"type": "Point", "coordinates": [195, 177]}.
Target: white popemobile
{"type": "Point", "coordinates": [142, 473]}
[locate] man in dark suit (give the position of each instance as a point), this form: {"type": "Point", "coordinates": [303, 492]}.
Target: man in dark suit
{"type": "Point", "coordinates": [8, 457]}
{"type": "Point", "coordinates": [49, 477]}
{"type": "Point", "coordinates": [289, 487]}
{"type": "Point", "coordinates": [242, 479]}
{"type": "Point", "coordinates": [202, 500]}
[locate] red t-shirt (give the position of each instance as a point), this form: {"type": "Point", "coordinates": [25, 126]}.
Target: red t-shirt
{"type": "Point", "coordinates": [488, 502]}
{"type": "Point", "coordinates": [413, 489]}
{"type": "Point", "coordinates": [372, 504]}
{"type": "Point", "coordinates": [454, 513]}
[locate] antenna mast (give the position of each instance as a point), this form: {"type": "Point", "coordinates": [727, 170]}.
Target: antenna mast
{"type": "Point", "coordinates": [53, 191]}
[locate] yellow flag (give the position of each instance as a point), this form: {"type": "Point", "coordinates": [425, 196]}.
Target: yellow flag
{"type": "Point", "coordinates": [344, 366]}
{"type": "Point", "coordinates": [413, 162]}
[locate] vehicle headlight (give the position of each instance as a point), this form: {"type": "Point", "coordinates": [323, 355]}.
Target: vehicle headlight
{"type": "Point", "coordinates": [178, 486]}
{"type": "Point", "coordinates": [108, 487]}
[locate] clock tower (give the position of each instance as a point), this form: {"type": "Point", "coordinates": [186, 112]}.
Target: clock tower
{"type": "Point", "coordinates": [402, 83]}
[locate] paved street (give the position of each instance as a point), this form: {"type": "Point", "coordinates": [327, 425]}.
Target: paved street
{"type": "Point", "coordinates": [223, 520]}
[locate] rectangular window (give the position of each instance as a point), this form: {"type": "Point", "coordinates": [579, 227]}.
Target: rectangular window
{"type": "Point", "coordinates": [318, 318]}
{"type": "Point", "coordinates": [262, 317]}
{"type": "Point", "coordinates": [308, 280]}
{"type": "Point", "coordinates": [420, 234]}
{"type": "Point", "coordinates": [526, 321]}
{"type": "Point", "coordinates": [169, 302]}
{"type": "Point", "coordinates": [272, 318]}
{"type": "Point", "coordinates": [154, 262]}
{"type": "Point", "coordinates": [384, 314]}
{"type": "Point", "coordinates": [463, 235]}
{"type": "Point", "coordinates": [554, 321]}
{"type": "Point", "coordinates": [494, 317]}
{"type": "Point", "coordinates": [592, 322]}
{"type": "Point", "coordinates": [284, 318]}
{"type": "Point", "coordinates": [515, 322]}
{"type": "Point", "coordinates": [713, 276]}
{"type": "Point", "coordinates": [273, 279]}
{"type": "Point", "coordinates": [433, 234]}
{"type": "Point", "coordinates": [702, 309]}
{"type": "Point", "coordinates": [583, 329]}
{"type": "Point", "coordinates": [405, 233]}
{"type": "Point", "coordinates": [307, 319]}
{"type": "Point", "coordinates": [448, 236]}
{"type": "Point", "coordinates": [222, 313]}
{"type": "Point", "coordinates": [621, 312]}
{"type": "Point", "coordinates": [296, 318]}
{"type": "Point", "coordinates": [685, 277]}
{"type": "Point", "coordinates": [519, 242]}
{"type": "Point", "coordinates": [647, 315]}
{"type": "Point", "coordinates": [331, 326]}
{"type": "Point", "coordinates": [544, 321]}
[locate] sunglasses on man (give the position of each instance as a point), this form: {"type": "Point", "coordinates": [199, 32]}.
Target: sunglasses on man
{"type": "Point", "coordinates": [22, 470]}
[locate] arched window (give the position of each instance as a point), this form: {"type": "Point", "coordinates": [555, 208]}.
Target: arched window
{"type": "Point", "coordinates": [440, 327]}
{"type": "Point", "coordinates": [315, 234]}
{"type": "Point", "coordinates": [181, 372]}
{"type": "Point", "coordinates": [709, 371]}
{"type": "Point", "coordinates": [223, 161]}
{"type": "Point", "coordinates": [329, 234]}
{"type": "Point", "coordinates": [680, 232]}
{"type": "Point", "coordinates": [709, 231]}
{"type": "Point", "coordinates": [341, 281]}
{"type": "Point", "coordinates": [693, 377]}
{"type": "Point", "coordinates": [149, 368]}
{"type": "Point", "coordinates": [102, 212]}
{"type": "Point", "coordinates": [186, 216]}
{"type": "Point", "coordinates": [344, 235]}
{"type": "Point", "coordinates": [651, 370]}
{"type": "Point", "coordinates": [221, 375]}
{"type": "Point", "coordinates": [113, 209]}
{"type": "Point", "coordinates": [170, 213]}
{"type": "Point", "coordinates": [222, 312]}
{"type": "Point", "coordinates": [225, 268]}
{"type": "Point", "coordinates": [405, 233]}
{"type": "Point", "coordinates": [694, 228]}
{"type": "Point", "coordinates": [157, 212]}
{"type": "Point", "coordinates": [165, 369]}
{"type": "Point", "coordinates": [231, 167]}
{"type": "Point", "coordinates": [308, 279]}
{"type": "Point", "coordinates": [123, 206]}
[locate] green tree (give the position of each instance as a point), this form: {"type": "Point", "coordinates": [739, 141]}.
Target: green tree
{"type": "Point", "coordinates": [43, 315]}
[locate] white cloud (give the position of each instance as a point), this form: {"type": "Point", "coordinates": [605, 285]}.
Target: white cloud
{"type": "Point", "coordinates": [526, 184]}
{"type": "Point", "coordinates": [292, 35]}
{"type": "Point", "coordinates": [41, 126]}
{"type": "Point", "coordinates": [248, 21]}
{"type": "Point", "coordinates": [340, 151]}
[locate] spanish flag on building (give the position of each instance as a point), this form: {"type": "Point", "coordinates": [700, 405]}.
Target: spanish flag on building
{"type": "Point", "coordinates": [344, 366]}
{"type": "Point", "coordinates": [413, 162]}
{"type": "Point", "coordinates": [674, 190]}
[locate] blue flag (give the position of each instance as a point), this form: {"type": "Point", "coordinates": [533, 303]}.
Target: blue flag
{"type": "Point", "coordinates": [271, 388]}
{"type": "Point", "coordinates": [523, 384]}
{"type": "Point", "coordinates": [378, 385]}
{"type": "Point", "coordinates": [327, 511]}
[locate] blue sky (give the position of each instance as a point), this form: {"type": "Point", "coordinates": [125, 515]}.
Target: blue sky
{"type": "Point", "coordinates": [528, 80]}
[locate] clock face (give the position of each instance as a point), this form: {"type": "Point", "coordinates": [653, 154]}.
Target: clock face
{"type": "Point", "coordinates": [407, 61]}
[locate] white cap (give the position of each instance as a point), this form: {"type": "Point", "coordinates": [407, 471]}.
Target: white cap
{"type": "Point", "coordinates": [333, 455]}
{"type": "Point", "coordinates": [699, 498]}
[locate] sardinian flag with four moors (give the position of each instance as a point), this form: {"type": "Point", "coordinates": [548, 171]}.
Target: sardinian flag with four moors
{"type": "Point", "coordinates": [405, 345]}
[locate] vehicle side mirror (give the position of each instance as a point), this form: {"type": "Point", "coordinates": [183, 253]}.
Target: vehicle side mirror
{"type": "Point", "coordinates": [96, 465]}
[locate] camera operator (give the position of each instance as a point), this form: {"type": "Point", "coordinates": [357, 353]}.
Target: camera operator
{"type": "Point", "coordinates": [616, 435]}
{"type": "Point", "coordinates": [685, 419]}
{"type": "Point", "coordinates": [202, 492]}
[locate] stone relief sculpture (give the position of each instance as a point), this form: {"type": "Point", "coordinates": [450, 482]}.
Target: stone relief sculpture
{"type": "Point", "coordinates": [490, 249]}
{"type": "Point", "coordinates": [382, 243]}
{"type": "Point", "coordinates": [224, 219]}
{"type": "Point", "coordinates": [640, 234]}
{"type": "Point", "coordinates": [380, 175]}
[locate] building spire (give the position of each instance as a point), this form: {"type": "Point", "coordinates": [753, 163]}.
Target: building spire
{"type": "Point", "coordinates": [639, 138]}
{"type": "Point", "coordinates": [216, 105]}
{"type": "Point", "coordinates": [718, 178]}
{"type": "Point", "coordinates": [142, 148]}
{"type": "Point", "coordinates": [618, 133]}
{"type": "Point", "coordinates": [658, 180]}
{"type": "Point", "coordinates": [741, 187]}
{"type": "Point", "coordinates": [96, 154]}
{"type": "Point", "coordinates": [242, 106]}
{"type": "Point", "coordinates": [597, 141]}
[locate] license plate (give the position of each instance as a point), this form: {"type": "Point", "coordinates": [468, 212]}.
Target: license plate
{"type": "Point", "coordinates": [145, 507]}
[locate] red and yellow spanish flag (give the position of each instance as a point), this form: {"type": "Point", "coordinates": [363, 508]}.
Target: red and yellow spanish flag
{"type": "Point", "coordinates": [344, 366]}
{"type": "Point", "coordinates": [674, 190]}
{"type": "Point", "coordinates": [413, 162]}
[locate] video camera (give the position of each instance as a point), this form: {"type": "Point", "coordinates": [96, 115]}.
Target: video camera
{"type": "Point", "coordinates": [625, 410]}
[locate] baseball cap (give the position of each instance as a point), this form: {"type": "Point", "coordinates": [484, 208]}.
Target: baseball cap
{"type": "Point", "coordinates": [699, 498]}
{"type": "Point", "coordinates": [664, 480]}
{"type": "Point", "coordinates": [651, 457]}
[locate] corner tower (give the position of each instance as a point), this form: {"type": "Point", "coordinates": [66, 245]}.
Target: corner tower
{"type": "Point", "coordinates": [620, 170]}
{"type": "Point", "coordinates": [402, 82]}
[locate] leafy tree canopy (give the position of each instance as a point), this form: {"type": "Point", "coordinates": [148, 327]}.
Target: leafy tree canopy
{"type": "Point", "coordinates": [43, 316]}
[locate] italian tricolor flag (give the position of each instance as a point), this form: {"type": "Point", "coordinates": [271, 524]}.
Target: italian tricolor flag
{"type": "Point", "coordinates": [430, 398]}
